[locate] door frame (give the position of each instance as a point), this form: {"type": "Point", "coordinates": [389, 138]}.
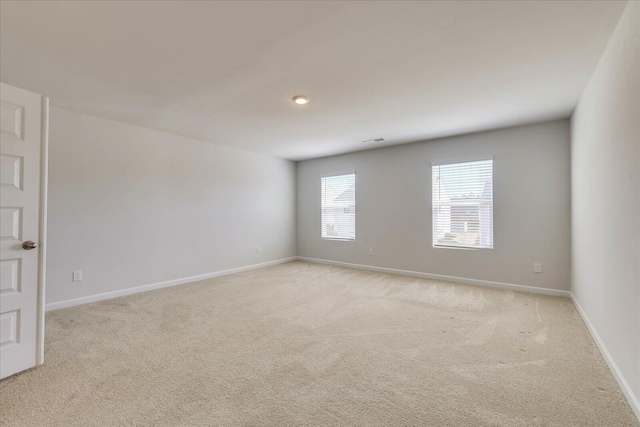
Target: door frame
{"type": "Point", "coordinates": [42, 261]}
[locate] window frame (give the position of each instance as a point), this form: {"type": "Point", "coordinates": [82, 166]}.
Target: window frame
{"type": "Point", "coordinates": [340, 239]}
{"type": "Point", "coordinates": [459, 247]}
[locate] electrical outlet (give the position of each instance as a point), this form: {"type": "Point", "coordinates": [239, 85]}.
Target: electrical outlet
{"type": "Point", "coordinates": [77, 276]}
{"type": "Point", "coordinates": [258, 250]}
{"type": "Point", "coordinates": [537, 267]}
{"type": "Point", "coordinates": [370, 251]}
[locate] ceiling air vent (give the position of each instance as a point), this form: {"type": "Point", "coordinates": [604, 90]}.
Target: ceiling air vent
{"type": "Point", "coordinates": [374, 140]}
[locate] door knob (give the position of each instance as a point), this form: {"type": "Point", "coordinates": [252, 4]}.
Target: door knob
{"type": "Point", "coordinates": [28, 245]}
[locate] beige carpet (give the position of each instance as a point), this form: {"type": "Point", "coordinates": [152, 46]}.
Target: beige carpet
{"type": "Point", "coordinates": [309, 345]}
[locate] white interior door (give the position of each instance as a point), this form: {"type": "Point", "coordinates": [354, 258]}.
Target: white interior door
{"type": "Point", "coordinates": [23, 155]}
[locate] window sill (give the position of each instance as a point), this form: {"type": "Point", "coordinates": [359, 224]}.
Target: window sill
{"type": "Point", "coordinates": [338, 239]}
{"type": "Point", "coordinates": [464, 248]}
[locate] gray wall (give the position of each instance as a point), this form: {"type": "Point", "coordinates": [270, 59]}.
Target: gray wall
{"type": "Point", "coordinates": [131, 206]}
{"type": "Point", "coordinates": [393, 206]}
{"type": "Point", "coordinates": [605, 154]}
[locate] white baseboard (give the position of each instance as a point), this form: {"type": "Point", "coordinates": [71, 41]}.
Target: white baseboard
{"type": "Point", "coordinates": [622, 382]}
{"type": "Point", "coordinates": [485, 283]}
{"type": "Point", "coordinates": [144, 288]}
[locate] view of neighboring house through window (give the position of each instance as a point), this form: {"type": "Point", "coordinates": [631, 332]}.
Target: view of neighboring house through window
{"type": "Point", "coordinates": [463, 204]}
{"type": "Point", "coordinates": [339, 207]}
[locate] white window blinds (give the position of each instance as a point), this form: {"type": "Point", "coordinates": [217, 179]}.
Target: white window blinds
{"type": "Point", "coordinates": [463, 204]}
{"type": "Point", "coordinates": [339, 207]}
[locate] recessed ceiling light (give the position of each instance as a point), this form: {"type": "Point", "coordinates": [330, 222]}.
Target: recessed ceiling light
{"type": "Point", "coordinates": [300, 100]}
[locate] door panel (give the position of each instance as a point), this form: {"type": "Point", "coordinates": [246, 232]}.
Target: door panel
{"type": "Point", "coordinates": [21, 150]}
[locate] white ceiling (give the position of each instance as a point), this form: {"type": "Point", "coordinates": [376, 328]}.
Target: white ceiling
{"type": "Point", "coordinates": [225, 72]}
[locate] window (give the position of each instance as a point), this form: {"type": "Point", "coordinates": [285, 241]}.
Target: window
{"type": "Point", "coordinates": [463, 205]}
{"type": "Point", "coordinates": [339, 207]}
